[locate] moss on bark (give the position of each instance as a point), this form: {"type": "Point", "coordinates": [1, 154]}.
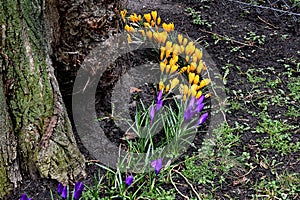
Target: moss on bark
{"type": "Point", "coordinates": [46, 144]}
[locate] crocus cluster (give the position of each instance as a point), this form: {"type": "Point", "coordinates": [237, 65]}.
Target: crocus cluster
{"type": "Point", "coordinates": [156, 164]}
{"type": "Point", "coordinates": [63, 190]}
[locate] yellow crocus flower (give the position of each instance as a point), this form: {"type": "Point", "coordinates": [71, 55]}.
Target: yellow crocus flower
{"type": "Point", "coordinates": [149, 34]}
{"type": "Point", "coordinates": [207, 95]}
{"type": "Point", "coordinates": [134, 18]}
{"type": "Point", "coordinates": [154, 15]}
{"type": "Point", "coordinates": [199, 93]}
{"type": "Point", "coordinates": [185, 41]}
{"type": "Point", "coordinates": [196, 79]}
{"type": "Point", "coordinates": [200, 67]}
{"type": "Point", "coordinates": [168, 52]}
{"type": "Point", "coordinates": [167, 88]}
{"type": "Point", "coordinates": [194, 87]}
{"type": "Point", "coordinates": [161, 85]}
{"type": "Point", "coordinates": [158, 21]}
{"type": "Point", "coordinates": [168, 27]}
{"type": "Point", "coordinates": [162, 66]}
{"type": "Point", "coordinates": [148, 17]}
{"type": "Point", "coordinates": [173, 69]}
{"type": "Point", "coordinates": [174, 82]}
{"type": "Point", "coordinates": [180, 38]}
{"type": "Point", "coordinates": [162, 52]}
{"type": "Point", "coordinates": [123, 15]}
{"type": "Point", "coordinates": [187, 58]}
{"type": "Point", "coordinates": [193, 66]}
{"type": "Point", "coordinates": [185, 89]}
{"type": "Point", "coordinates": [184, 98]}
{"type": "Point", "coordinates": [191, 77]}
{"type": "Point", "coordinates": [129, 29]}
{"type": "Point", "coordinates": [168, 67]}
{"type": "Point", "coordinates": [204, 83]}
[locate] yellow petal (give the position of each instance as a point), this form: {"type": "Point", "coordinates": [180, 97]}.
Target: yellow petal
{"type": "Point", "coordinates": [162, 52]}
{"type": "Point", "coordinates": [200, 67]}
{"type": "Point", "coordinates": [161, 85]}
{"type": "Point", "coordinates": [193, 66]}
{"type": "Point", "coordinates": [199, 93]}
{"type": "Point", "coordinates": [174, 83]}
{"type": "Point", "coordinates": [162, 67]}
{"type": "Point", "coordinates": [196, 79]}
{"type": "Point", "coordinates": [185, 89]}
{"type": "Point", "coordinates": [142, 32]}
{"type": "Point", "coordinates": [173, 69]}
{"type": "Point", "coordinates": [158, 21]}
{"type": "Point", "coordinates": [154, 15]}
{"type": "Point", "coordinates": [191, 77]}
{"type": "Point", "coordinates": [185, 41]}
{"type": "Point", "coordinates": [180, 38]}
{"type": "Point", "coordinates": [204, 83]}
{"type": "Point", "coordinates": [168, 67]}
{"type": "Point", "coordinates": [147, 17]}
{"type": "Point", "coordinates": [149, 34]}
{"type": "Point", "coordinates": [123, 14]}
{"type": "Point", "coordinates": [167, 88]}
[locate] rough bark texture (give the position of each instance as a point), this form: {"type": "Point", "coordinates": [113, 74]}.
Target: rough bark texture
{"type": "Point", "coordinates": [37, 133]}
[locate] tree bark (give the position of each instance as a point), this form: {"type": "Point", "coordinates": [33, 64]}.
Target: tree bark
{"type": "Point", "coordinates": [36, 137]}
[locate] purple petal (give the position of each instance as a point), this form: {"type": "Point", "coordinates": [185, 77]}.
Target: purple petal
{"type": "Point", "coordinates": [60, 188]}
{"type": "Point", "coordinates": [152, 114]}
{"type": "Point", "coordinates": [199, 107]}
{"type": "Point", "coordinates": [157, 165]}
{"type": "Point", "coordinates": [129, 180]}
{"type": "Point", "coordinates": [200, 100]}
{"type": "Point", "coordinates": [192, 102]}
{"type": "Point", "coordinates": [64, 193]}
{"type": "Point", "coordinates": [202, 118]}
{"type": "Point", "coordinates": [188, 114]}
{"type": "Point", "coordinates": [159, 96]}
{"type": "Point", "coordinates": [159, 105]}
{"type": "Point", "coordinates": [24, 197]}
{"type": "Point", "coordinates": [79, 186]}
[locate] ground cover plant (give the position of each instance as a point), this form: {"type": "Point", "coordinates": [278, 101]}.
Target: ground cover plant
{"type": "Point", "coordinates": [255, 153]}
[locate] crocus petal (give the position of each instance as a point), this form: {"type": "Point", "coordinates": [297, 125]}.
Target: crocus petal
{"type": "Point", "coordinates": [188, 114]}
{"type": "Point", "coordinates": [129, 180]}
{"type": "Point", "coordinates": [64, 193]}
{"type": "Point", "coordinates": [79, 186]}
{"type": "Point", "coordinates": [157, 165]}
{"type": "Point", "coordinates": [24, 197]}
{"type": "Point", "coordinates": [60, 188]}
{"type": "Point", "coordinates": [200, 100]}
{"type": "Point", "coordinates": [202, 118]}
{"type": "Point", "coordinates": [199, 107]}
{"type": "Point", "coordinates": [159, 105]}
{"type": "Point", "coordinates": [152, 114]}
{"type": "Point", "coordinates": [159, 96]}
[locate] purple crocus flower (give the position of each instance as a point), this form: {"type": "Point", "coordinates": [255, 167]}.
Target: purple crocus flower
{"type": "Point", "coordinates": [152, 114]}
{"type": "Point", "coordinates": [188, 114]}
{"type": "Point", "coordinates": [24, 197]}
{"type": "Point", "coordinates": [157, 165]}
{"type": "Point", "coordinates": [60, 188]}
{"type": "Point", "coordinates": [159, 102]}
{"type": "Point", "coordinates": [202, 118]}
{"type": "Point", "coordinates": [199, 107]}
{"type": "Point", "coordinates": [64, 193]}
{"type": "Point", "coordinates": [79, 186]}
{"type": "Point", "coordinates": [129, 180]}
{"type": "Point", "coordinates": [200, 99]}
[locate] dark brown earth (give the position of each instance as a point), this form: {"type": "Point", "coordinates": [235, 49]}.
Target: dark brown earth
{"type": "Point", "coordinates": [227, 24]}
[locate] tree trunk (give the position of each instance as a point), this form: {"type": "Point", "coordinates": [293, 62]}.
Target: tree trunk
{"type": "Point", "coordinates": [36, 137]}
